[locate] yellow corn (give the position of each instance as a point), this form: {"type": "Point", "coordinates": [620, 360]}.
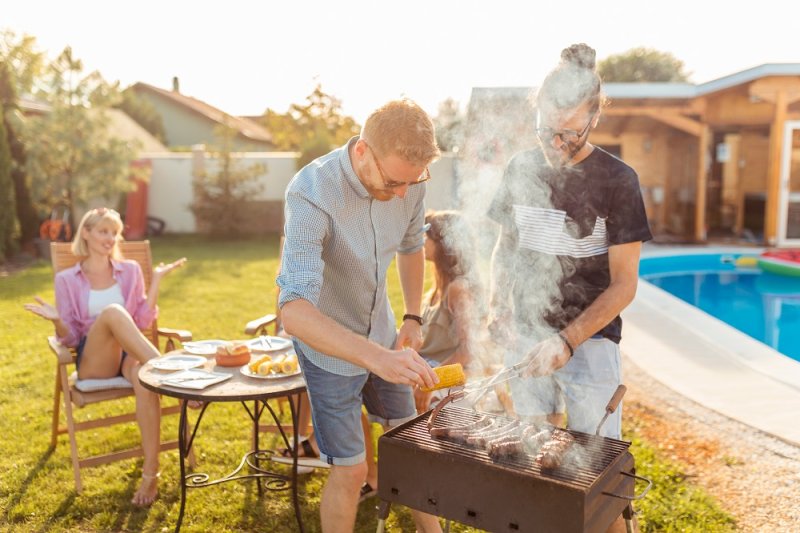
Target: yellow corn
{"type": "Point", "coordinates": [289, 365]}
{"type": "Point", "coordinates": [257, 363]}
{"type": "Point", "coordinates": [264, 368]}
{"type": "Point", "coordinates": [449, 376]}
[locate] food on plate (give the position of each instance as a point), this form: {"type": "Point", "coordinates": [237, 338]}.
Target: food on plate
{"type": "Point", "coordinates": [256, 364]}
{"type": "Point", "coordinates": [264, 368]}
{"type": "Point", "coordinates": [233, 354]}
{"type": "Point", "coordinates": [289, 364]}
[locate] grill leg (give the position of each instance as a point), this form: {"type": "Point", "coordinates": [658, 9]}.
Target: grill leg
{"type": "Point", "coordinates": [628, 513]}
{"type": "Point", "coordinates": [383, 514]}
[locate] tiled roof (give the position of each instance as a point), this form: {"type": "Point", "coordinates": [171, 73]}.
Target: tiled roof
{"type": "Point", "coordinates": [246, 127]}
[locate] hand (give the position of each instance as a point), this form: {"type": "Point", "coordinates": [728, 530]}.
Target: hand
{"type": "Point", "coordinates": [409, 336]}
{"type": "Point", "coordinates": [546, 357]}
{"type": "Point", "coordinates": [44, 310]}
{"type": "Point", "coordinates": [162, 270]}
{"type": "Point", "coordinates": [405, 367]}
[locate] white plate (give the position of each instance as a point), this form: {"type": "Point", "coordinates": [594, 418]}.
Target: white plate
{"type": "Point", "coordinates": [178, 362]}
{"type": "Point", "coordinates": [246, 371]}
{"type": "Point", "coordinates": [268, 343]}
{"type": "Point", "coordinates": [203, 347]}
{"type": "Point", "coordinates": [195, 379]}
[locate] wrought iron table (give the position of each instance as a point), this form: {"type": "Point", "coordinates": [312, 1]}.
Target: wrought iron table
{"type": "Point", "coordinates": [238, 388]}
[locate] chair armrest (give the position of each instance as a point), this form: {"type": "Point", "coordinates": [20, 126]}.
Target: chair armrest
{"type": "Point", "coordinates": [259, 324]}
{"type": "Point", "coordinates": [182, 335]}
{"type": "Point", "coordinates": [64, 354]}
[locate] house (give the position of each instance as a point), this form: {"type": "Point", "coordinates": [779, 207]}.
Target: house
{"type": "Point", "coordinates": [189, 121]}
{"type": "Point", "coordinates": [715, 160]}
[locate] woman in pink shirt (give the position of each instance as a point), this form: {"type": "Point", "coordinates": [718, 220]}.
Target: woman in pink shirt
{"type": "Point", "coordinates": [100, 308]}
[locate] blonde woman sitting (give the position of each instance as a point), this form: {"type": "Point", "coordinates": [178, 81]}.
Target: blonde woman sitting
{"type": "Point", "coordinates": [101, 306]}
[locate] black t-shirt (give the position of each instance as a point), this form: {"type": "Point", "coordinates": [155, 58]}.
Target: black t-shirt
{"type": "Point", "coordinates": [563, 222]}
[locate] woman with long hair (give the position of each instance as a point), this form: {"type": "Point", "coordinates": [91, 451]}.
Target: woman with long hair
{"type": "Point", "coordinates": [452, 309]}
{"type": "Point", "coordinates": [101, 306]}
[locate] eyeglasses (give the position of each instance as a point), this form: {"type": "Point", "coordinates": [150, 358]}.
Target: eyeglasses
{"type": "Point", "coordinates": [390, 184]}
{"type": "Point", "coordinates": [566, 136]}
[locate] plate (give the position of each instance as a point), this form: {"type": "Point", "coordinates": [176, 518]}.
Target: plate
{"type": "Point", "coordinates": [245, 369]}
{"type": "Point", "coordinates": [195, 379]}
{"type": "Point", "coordinates": [268, 343]}
{"type": "Point", "coordinates": [203, 347]}
{"type": "Point", "coordinates": [178, 362]}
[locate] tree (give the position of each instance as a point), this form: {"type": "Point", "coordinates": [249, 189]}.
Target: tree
{"type": "Point", "coordinates": [143, 112]}
{"type": "Point", "coordinates": [71, 156]}
{"type": "Point", "coordinates": [449, 123]}
{"type": "Point", "coordinates": [219, 197]}
{"type": "Point", "coordinates": [642, 65]}
{"type": "Point", "coordinates": [20, 65]}
{"type": "Point", "coordinates": [315, 127]}
{"type": "Point", "coordinates": [7, 214]}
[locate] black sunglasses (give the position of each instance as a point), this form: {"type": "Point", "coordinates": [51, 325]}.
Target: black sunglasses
{"type": "Point", "coordinates": [567, 136]}
{"type": "Point", "coordinates": [390, 184]}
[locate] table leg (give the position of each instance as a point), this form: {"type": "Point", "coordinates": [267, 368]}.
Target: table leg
{"type": "Point", "coordinates": [296, 431]}
{"type": "Point", "coordinates": [257, 409]}
{"type": "Point", "coordinates": [182, 452]}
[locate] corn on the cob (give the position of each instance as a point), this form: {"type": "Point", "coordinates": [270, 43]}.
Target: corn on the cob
{"type": "Point", "coordinates": [257, 363]}
{"type": "Point", "coordinates": [449, 376]}
{"type": "Point", "coordinates": [289, 364]}
{"type": "Point", "coordinates": [264, 368]}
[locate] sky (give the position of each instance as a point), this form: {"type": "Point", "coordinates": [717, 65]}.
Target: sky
{"type": "Point", "coordinates": [246, 56]}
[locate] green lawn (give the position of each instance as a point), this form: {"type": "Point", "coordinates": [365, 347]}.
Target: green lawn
{"type": "Point", "coordinates": [224, 285]}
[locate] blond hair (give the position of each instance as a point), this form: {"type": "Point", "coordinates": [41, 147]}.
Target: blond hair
{"type": "Point", "coordinates": [402, 128]}
{"type": "Point", "coordinates": [91, 219]}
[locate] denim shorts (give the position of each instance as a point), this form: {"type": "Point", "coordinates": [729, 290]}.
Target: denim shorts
{"type": "Point", "coordinates": [79, 355]}
{"type": "Point", "coordinates": [581, 388]}
{"type": "Point", "coordinates": [336, 409]}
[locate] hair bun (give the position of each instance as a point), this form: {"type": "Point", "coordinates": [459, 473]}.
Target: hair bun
{"type": "Point", "coordinates": [581, 55]}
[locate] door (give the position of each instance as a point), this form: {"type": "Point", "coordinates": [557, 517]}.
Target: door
{"type": "Point", "coordinates": [789, 204]}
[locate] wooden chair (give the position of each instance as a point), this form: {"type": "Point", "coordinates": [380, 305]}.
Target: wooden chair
{"type": "Point", "coordinates": [63, 258]}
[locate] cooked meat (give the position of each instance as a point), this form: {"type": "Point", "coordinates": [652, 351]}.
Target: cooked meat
{"type": "Point", "coordinates": [460, 433]}
{"type": "Point", "coordinates": [552, 452]}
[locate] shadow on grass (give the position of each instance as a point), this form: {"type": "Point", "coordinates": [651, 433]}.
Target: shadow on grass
{"type": "Point", "coordinates": [33, 473]}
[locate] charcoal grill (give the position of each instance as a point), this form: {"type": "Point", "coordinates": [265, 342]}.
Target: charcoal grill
{"type": "Point", "coordinates": [464, 484]}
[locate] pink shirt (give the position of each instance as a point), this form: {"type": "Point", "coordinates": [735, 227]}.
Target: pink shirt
{"type": "Point", "coordinates": [72, 299]}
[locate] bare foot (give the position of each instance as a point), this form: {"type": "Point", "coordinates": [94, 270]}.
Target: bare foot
{"type": "Point", "coordinates": [147, 492]}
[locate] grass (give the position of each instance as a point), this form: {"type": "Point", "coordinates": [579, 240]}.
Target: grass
{"type": "Point", "coordinates": [225, 284]}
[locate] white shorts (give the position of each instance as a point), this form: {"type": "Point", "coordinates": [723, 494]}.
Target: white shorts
{"type": "Point", "coordinates": [581, 388]}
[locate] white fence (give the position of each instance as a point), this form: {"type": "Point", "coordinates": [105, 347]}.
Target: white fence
{"type": "Point", "coordinates": [170, 188]}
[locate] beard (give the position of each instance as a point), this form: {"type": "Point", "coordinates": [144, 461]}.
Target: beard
{"type": "Point", "coordinates": [559, 158]}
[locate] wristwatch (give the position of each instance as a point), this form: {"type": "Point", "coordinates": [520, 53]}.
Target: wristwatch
{"type": "Point", "coordinates": [415, 318]}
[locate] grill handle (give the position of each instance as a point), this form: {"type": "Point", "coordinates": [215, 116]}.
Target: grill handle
{"type": "Point", "coordinates": [613, 403]}
{"type": "Point", "coordinates": [634, 497]}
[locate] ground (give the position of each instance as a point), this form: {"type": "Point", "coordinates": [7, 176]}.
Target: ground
{"type": "Point", "coordinates": [755, 477]}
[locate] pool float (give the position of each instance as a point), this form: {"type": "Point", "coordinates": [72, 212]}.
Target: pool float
{"type": "Point", "coordinates": [784, 262]}
{"type": "Point", "coordinates": [747, 261]}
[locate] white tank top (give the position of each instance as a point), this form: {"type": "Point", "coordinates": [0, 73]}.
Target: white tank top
{"type": "Point", "coordinates": [99, 300]}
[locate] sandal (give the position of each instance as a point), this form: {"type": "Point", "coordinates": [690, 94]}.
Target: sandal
{"type": "Point", "coordinates": [142, 501]}
{"type": "Point", "coordinates": [306, 457]}
{"type": "Point", "coordinates": [366, 492]}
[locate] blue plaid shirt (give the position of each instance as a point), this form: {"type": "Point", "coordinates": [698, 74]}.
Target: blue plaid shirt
{"type": "Point", "coordinates": [339, 244]}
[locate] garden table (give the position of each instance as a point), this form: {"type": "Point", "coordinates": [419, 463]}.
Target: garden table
{"type": "Point", "coordinates": [243, 389]}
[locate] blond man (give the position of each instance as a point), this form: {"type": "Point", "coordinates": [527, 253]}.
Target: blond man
{"type": "Point", "coordinates": [348, 214]}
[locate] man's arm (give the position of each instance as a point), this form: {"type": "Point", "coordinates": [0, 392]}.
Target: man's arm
{"type": "Point", "coordinates": [411, 270]}
{"type": "Point", "coordinates": [623, 264]}
{"type": "Point", "coordinates": [303, 320]}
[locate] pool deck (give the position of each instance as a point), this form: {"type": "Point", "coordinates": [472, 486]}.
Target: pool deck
{"type": "Point", "coordinates": [709, 362]}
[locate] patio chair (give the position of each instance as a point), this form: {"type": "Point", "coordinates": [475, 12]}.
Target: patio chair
{"type": "Point", "coordinates": [66, 386]}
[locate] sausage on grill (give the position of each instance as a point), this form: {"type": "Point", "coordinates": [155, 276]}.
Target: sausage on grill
{"type": "Point", "coordinates": [483, 438]}
{"type": "Point", "coordinates": [505, 448]}
{"type": "Point", "coordinates": [533, 438]}
{"type": "Point", "coordinates": [460, 433]}
{"type": "Point", "coordinates": [552, 453]}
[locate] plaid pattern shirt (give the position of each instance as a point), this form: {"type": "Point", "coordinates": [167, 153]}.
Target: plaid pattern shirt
{"type": "Point", "coordinates": [339, 244]}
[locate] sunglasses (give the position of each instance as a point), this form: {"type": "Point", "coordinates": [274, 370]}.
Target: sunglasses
{"type": "Point", "coordinates": [390, 184]}
{"type": "Point", "coordinates": [566, 136]}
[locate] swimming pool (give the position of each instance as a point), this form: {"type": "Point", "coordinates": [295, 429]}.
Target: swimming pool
{"type": "Point", "coordinates": [762, 305]}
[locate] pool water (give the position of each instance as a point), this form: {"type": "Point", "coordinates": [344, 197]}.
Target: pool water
{"type": "Point", "coordinates": [762, 305]}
